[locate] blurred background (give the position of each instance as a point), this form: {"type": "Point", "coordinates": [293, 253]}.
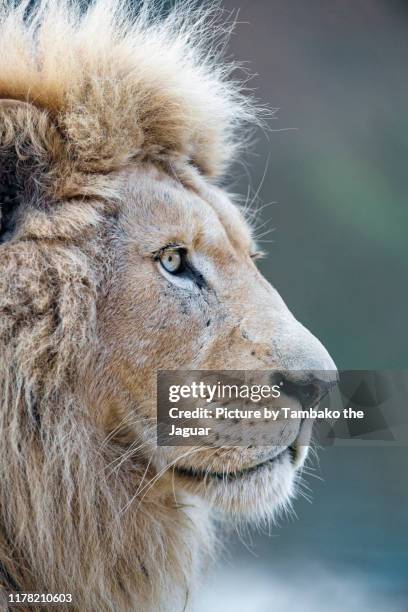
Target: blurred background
{"type": "Point", "coordinates": [333, 173]}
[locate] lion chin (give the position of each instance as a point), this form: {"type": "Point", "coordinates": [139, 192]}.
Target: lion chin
{"type": "Point", "coordinates": [245, 484]}
{"type": "Point", "coordinates": [254, 493]}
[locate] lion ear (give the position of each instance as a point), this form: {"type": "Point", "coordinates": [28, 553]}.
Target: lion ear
{"type": "Point", "coordinates": [29, 146]}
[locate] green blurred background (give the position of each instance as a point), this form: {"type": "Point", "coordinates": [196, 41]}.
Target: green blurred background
{"type": "Point", "coordinates": [337, 72]}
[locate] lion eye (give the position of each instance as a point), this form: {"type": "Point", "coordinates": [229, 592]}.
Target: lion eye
{"type": "Point", "coordinates": [172, 260]}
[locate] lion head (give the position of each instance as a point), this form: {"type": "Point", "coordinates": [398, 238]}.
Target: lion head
{"type": "Point", "coordinates": [121, 256]}
{"type": "Point", "coordinates": [187, 295]}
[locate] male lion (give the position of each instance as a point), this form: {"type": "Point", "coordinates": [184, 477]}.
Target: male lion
{"type": "Point", "coordinates": [119, 256]}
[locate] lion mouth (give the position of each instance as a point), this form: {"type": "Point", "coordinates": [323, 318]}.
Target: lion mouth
{"type": "Point", "coordinates": [197, 474]}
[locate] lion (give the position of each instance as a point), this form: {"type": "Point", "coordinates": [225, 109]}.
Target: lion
{"type": "Point", "coordinates": [121, 255]}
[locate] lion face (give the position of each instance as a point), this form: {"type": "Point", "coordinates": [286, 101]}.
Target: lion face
{"type": "Point", "coordinates": [186, 294]}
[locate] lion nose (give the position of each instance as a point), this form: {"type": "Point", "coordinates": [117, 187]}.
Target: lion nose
{"type": "Point", "coordinates": [308, 387]}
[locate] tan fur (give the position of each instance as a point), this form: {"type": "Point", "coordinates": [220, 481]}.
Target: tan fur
{"type": "Point", "coordinates": [122, 125]}
{"type": "Point", "coordinates": [119, 89]}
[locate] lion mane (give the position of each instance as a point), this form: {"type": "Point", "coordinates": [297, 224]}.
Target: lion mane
{"type": "Point", "coordinates": [83, 94]}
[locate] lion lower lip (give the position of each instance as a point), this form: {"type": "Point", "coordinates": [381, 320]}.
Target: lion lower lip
{"type": "Point", "coordinates": [204, 475]}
